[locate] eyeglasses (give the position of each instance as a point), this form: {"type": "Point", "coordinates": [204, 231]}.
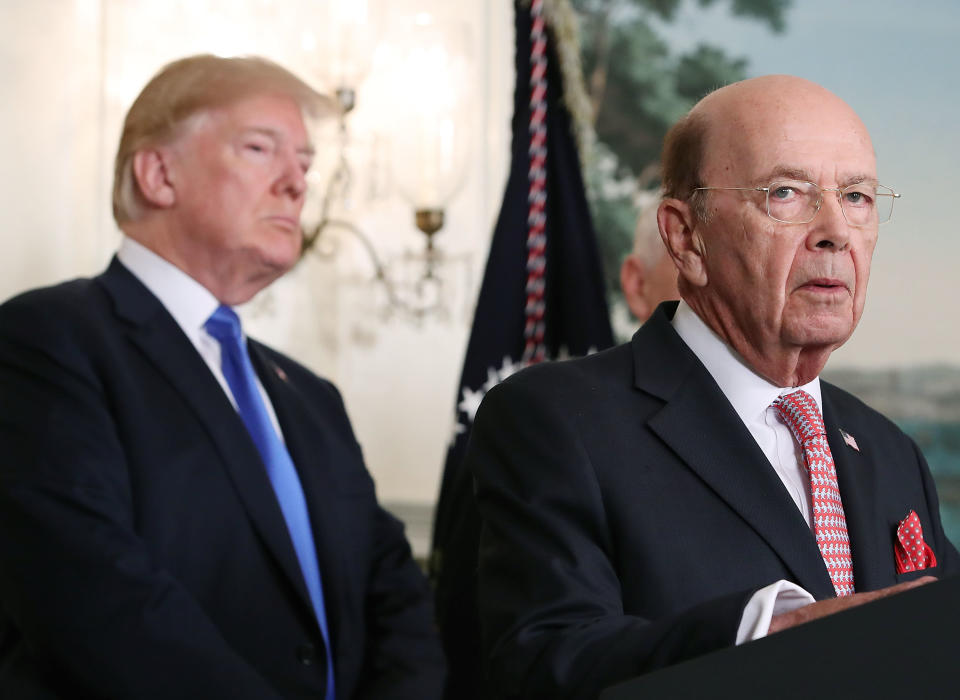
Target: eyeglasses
{"type": "Point", "coordinates": [797, 202]}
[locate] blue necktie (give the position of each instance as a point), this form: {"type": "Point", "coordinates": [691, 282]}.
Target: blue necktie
{"type": "Point", "coordinates": [224, 325]}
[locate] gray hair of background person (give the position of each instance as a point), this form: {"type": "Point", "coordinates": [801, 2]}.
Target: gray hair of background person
{"type": "Point", "coordinates": [646, 235]}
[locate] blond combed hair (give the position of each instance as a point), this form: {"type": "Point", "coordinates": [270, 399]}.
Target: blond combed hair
{"type": "Point", "coordinates": [187, 87]}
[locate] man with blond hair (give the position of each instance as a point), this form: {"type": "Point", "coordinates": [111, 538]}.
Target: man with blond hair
{"type": "Point", "coordinates": [700, 486]}
{"type": "Point", "coordinates": [184, 512]}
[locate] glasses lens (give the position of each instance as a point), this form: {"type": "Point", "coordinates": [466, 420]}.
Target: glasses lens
{"type": "Point", "coordinates": [860, 204]}
{"type": "Point", "coordinates": [793, 201]}
{"type": "Point", "coordinates": [885, 199]}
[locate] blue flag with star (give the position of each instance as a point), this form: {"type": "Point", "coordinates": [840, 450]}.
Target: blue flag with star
{"type": "Point", "coordinates": [576, 323]}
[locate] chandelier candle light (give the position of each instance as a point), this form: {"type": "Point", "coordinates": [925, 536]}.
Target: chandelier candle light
{"type": "Point", "coordinates": [429, 121]}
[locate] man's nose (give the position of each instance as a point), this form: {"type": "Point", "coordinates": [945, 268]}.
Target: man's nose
{"type": "Point", "coordinates": [292, 180]}
{"type": "Point", "coordinates": [830, 228]}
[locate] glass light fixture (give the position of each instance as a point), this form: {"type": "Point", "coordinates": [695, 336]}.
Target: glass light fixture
{"type": "Point", "coordinates": [348, 38]}
{"type": "Point", "coordinates": [430, 143]}
{"type": "Point", "coordinates": [426, 85]}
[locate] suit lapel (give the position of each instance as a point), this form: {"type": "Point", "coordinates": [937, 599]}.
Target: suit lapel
{"type": "Point", "coordinates": [702, 428]}
{"type": "Point", "coordinates": [856, 478]}
{"type": "Point", "coordinates": [160, 339]}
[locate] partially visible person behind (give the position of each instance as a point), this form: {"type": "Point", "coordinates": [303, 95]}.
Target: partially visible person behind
{"type": "Point", "coordinates": [647, 274]}
{"type": "Point", "coordinates": [185, 512]}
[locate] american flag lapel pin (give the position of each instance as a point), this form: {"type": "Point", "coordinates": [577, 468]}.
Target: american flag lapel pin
{"type": "Point", "coordinates": [283, 375]}
{"type": "Point", "coordinates": [849, 439]}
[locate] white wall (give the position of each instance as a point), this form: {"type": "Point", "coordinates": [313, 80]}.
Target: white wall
{"type": "Point", "coordinates": [68, 71]}
{"type": "Point", "coordinates": [50, 92]}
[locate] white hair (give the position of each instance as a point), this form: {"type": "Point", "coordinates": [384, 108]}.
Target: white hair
{"type": "Point", "coordinates": [647, 244]}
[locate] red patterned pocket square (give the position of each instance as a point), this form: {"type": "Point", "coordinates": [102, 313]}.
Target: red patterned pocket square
{"type": "Point", "coordinates": [912, 553]}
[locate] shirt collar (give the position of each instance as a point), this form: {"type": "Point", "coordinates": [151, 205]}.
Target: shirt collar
{"type": "Point", "coordinates": [188, 301]}
{"type": "Point", "coordinates": [748, 392]}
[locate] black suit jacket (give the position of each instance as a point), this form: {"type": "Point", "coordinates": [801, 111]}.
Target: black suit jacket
{"type": "Point", "coordinates": [628, 515]}
{"type": "Point", "coordinates": [142, 550]}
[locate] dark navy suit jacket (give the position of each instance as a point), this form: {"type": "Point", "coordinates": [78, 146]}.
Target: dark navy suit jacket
{"type": "Point", "coordinates": [628, 515]}
{"type": "Point", "coordinates": [142, 550]}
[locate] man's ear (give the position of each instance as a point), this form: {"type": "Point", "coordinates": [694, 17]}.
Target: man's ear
{"type": "Point", "coordinates": [151, 171]}
{"type": "Point", "coordinates": [679, 230]}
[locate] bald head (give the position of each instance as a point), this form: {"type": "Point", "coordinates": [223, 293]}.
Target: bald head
{"type": "Point", "coordinates": [783, 295]}
{"type": "Point", "coordinates": [726, 122]}
{"type": "Point", "coordinates": [753, 124]}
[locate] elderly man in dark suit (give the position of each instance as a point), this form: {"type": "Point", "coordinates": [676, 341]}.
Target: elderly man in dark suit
{"type": "Point", "coordinates": [699, 486]}
{"type": "Point", "coordinates": [185, 513]}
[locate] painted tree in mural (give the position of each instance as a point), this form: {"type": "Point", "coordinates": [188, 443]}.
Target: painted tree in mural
{"type": "Point", "coordinates": [638, 87]}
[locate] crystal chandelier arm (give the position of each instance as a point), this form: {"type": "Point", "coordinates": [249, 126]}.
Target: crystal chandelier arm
{"type": "Point", "coordinates": [428, 296]}
{"type": "Point", "coordinates": [395, 300]}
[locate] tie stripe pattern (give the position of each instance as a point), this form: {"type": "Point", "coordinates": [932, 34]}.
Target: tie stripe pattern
{"type": "Point", "coordinates": [800, 413]}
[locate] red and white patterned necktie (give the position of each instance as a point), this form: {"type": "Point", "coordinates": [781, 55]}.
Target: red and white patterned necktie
{"type": "Point", "coordinates": [800, 413]}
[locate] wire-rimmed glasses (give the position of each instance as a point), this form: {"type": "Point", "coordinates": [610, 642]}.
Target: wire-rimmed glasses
{"type": "Point", "coordinates": [797, 201]}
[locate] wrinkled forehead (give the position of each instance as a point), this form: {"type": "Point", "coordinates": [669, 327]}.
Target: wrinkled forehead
{"type": "Point", "coordinates": [770, 128]}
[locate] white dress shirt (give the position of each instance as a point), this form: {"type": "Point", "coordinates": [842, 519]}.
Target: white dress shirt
{"type": "Point", "coordinates": [751, 396]}
{"type": "Point", "coordinates": [190, 304]}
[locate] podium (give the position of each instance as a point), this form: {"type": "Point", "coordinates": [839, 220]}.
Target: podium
{"type": "Point", "coordinates": [907, 645]}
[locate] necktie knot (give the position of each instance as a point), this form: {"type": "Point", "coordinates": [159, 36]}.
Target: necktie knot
{"type": "Point", "coordinates": [799, 412]}
{"type": "Point", "coordinates": [224, 325]}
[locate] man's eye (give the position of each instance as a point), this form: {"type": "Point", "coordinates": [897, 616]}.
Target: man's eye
{"type": "Point", "coordinates": [858, 198]}
{"type": "Point", "coordinates": [784, 192]}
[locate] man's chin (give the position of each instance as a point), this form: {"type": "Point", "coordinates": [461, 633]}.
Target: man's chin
{"type": "Point", "coordinates": [820, 331]}
{"type": "Point", "coordinates": [280, 259]}
{"type": "Point", "coordinates": [252, 279]}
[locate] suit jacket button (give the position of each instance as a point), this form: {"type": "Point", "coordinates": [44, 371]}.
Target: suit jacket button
{"type": "Point", "coordinates": [307, 654]}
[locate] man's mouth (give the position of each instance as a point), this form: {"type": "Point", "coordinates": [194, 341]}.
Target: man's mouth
{"type": "Point", "coordinates": [825, 284]}
{"type": "Point", "coordinates": [289, 223]}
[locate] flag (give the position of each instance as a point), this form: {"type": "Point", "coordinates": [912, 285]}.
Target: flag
{"type": "Point", "coordinates": [542, 297]}
{"type": "Point", "coordinates": [850, 440]}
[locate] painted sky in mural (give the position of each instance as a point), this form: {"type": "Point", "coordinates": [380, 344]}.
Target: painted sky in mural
{"type": "Point", "coordinates": [897, 66]}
